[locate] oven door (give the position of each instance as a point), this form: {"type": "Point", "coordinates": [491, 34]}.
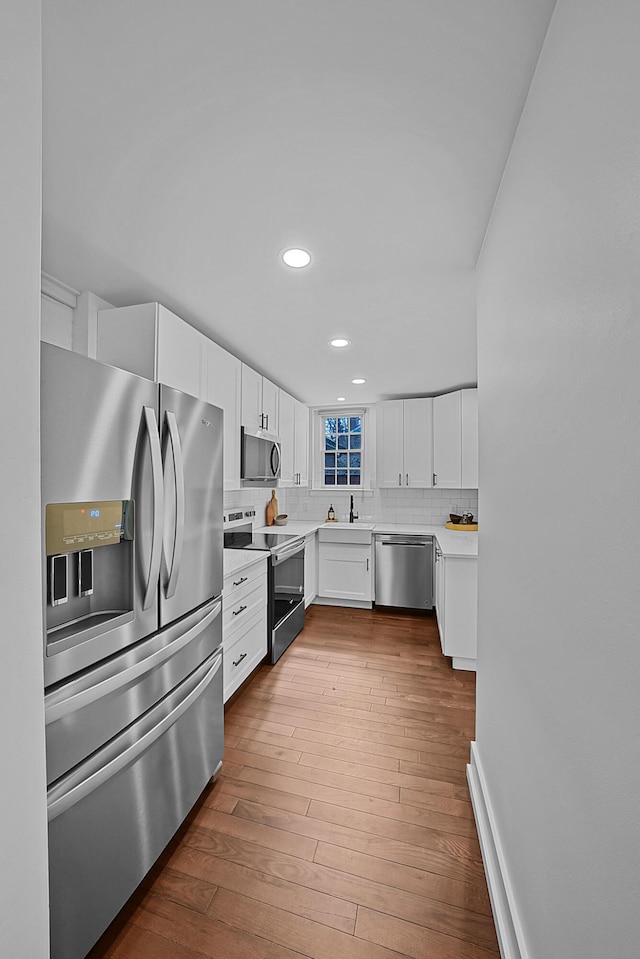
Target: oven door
{"type": "Point", "coordinates": [286, 597]}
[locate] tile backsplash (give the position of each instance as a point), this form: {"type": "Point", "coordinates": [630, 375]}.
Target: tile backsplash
{"type": "Point", "coordinates": [422, 506]}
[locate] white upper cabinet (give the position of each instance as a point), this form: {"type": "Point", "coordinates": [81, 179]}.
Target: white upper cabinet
{"type": "Point", "coordinates": [447, 441]}
{"type": "Point", "coordinates": [301, 444]}
{"type": "Point", "coordinates": [469, 439]}
{"type": "Point", "coordinates": [455, 440]}
{"type": "Point", "coordinates": [151, 341]}
{"type": "Point", "coordinates": [259, 402]}
{"type": "Point", "coordinates": [270, 401]}
{"type": "Point", "coordinates": [404, 443]}
{"type": "Point", "coordinates": [294, 438]}
{"type": "Point", "coordinates": [287, 438]}
{"type": "Point", "coordinates": [224, 389]}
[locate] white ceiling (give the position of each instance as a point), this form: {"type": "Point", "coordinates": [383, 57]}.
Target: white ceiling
{"type": "Point", "coordinates": [187, 142]}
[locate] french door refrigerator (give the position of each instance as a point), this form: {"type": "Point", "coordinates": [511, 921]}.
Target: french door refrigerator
{"type": "Point", "coordinates": [132, 574]}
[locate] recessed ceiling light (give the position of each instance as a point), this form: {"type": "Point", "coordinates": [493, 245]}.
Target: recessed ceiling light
{"type": "Point", "coordinates": [340, 342]}
{"type": "Point", "coordinates": [296, 258]}
{"type": "Point", "coordinates": [359, 381]}
{"type": "Point", "coordinates": [341, 399]}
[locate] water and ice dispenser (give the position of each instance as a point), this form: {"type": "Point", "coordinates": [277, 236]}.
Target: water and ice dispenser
{"type": "Point", "coordinates": [89, 549]}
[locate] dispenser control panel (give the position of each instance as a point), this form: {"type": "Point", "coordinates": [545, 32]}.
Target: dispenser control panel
{"type": "Point", "coordinates": [81, 526]}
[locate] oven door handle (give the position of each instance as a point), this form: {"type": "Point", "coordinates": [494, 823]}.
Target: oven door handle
{"type": "Point", "coordinates": [283, 555]}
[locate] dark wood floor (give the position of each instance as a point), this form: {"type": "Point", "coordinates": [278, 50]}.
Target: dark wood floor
{"type": "Point", "coordinates": [341, 825]}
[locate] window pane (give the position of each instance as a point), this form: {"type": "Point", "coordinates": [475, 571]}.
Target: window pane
{"type": "Point", "coordinates": [355, 424]}
{"type": "Point", "coordinates": [343, 424]}
{"type": "Point", "coordinates": [343, 442]}
{"type": "Point", "coordinates": [342, 477]}
{"type": "Point", "coordinates": [356, 441]}
{"type": "Point", "coordinates": [330, 424]}
{"type": "Point", "coordinates": [329, 461]}
{"type": "Point", "coordinates": [330, 443]}
{"type": "Point", "coordinates": [329, 479]}
{"type": "Point", "coordinates": [354, 460]}
{"type": "Point", "coordinates": [342, 459]}
{"type": "Point", "coordinates": [354, 479]}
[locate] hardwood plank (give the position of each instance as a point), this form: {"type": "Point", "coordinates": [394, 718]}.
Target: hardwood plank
{"type": "Point", "coordinates": [322, 749]}
{"type": "Point", "coordinates": [186, 890]}
{"type": "Point", "coordinates": [434, 853]}
{"type": "Point", "coordinates": [263, 887]}
{"type": "Point", "coordinates": [263, 835]}
{"type": "Point", "coordinates": [410, 939]}
{"type": "Point", "coordinates": [205, 935]}
{"type": "Point", "coordinates": [294, 932]}
{"type": "Point", "coordinates": [135, 942]}
{"type": "Point", "coordinates": [234, 750]}
{"type": "Point", "coordinates": [463, 894]}
{"type": "Point", "coordinates": [383, 775]}
{"type": "Point", "coordinates": [352, 741]}
{"type": "Point", "coordinates": [310, 774]}
{"type": "Point", "coordinates": [363, 803]}
{"type": "Point", "coordinates": [273, 797]}
{"type": "Point", "coordinates": [458, 846]}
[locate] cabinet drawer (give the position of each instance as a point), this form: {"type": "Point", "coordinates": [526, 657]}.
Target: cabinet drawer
{"type": "Point", "coordinates": [237, 585]}
{"type": "Point", "coordinates": [242, 656]}
{"type": "Point", "coordinates": [240, 609]}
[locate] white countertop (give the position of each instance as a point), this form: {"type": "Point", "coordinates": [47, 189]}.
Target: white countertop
{"type": "Point", "coordinates": [236, 559]}
{"type": "Point", "coordinates": [452, 542]}
{"type": "Point", "coordinates": [293, 528]}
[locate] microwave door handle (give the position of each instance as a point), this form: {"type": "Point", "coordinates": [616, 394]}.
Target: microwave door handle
{"type": "Point", "coordinates": [275, 449]}
{"type": "Point", "coordinates": [151, 425]}
{"type": "Point", "coordinates": [178, 469]}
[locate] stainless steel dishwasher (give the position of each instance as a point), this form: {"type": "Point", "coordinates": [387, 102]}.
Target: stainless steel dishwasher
{"type": "Point", "coordinates": [404, 570]}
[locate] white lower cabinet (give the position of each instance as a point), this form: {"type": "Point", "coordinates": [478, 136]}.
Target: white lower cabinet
{"type": "Point", "coordinates": [345, 568]}
{"type": "Point", "coordinates": [456, 602]}
{"type": "Point", "coordinates": [244, 624]}
{"type": "Point", "coordinates": [310, 568]}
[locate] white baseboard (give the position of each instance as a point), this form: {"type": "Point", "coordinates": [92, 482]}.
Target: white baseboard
{"type": "Point", "coordinates": [508, 927]}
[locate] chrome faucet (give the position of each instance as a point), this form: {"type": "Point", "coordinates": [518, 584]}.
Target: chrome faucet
{"type": "Point", "coordinates": [352, 515]}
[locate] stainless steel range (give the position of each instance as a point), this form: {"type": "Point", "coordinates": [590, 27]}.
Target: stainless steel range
{"type": "Point", "coordinates": [285, 578]}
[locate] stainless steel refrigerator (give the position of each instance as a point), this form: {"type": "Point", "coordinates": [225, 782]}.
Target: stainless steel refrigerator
{"type": "Point", "coordinates": [132, 583]}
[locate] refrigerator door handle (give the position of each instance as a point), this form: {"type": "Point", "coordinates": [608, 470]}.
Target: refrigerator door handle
{"type": "Point", "coordinates": [55, 710]}
{"type": "Point", "coordinates": [81, 782]}
{"type": "Point", "coordinates": [178, 468]}
{"type": "Point", "coordinates": [158, 506]}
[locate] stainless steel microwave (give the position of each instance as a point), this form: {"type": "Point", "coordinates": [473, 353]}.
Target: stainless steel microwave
{"type": "Point", "coordinates": [260, 459]}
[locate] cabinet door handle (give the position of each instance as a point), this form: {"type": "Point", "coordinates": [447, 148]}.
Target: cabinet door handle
{"type": "Point", "coordinates": [236, 612]}
{"type": "Point", "coordinates": [239, 582]}
{"type": "Point", "coordinates": [236, 662]}
{"type": "Point", "coordinates": [266, 416]}
{"type": "Point", "coordinates": [367, 565]}
{"type": "Point", "coordinates": [435, 479]}
{"type": "Point", "coordinates": [399, 479]}
{"type": "Point", "coordinates": [407, 475]}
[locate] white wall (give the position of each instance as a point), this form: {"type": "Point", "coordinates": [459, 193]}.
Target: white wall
{"type": "Point", "coordinates": [23, 870]}
{"type": "Point", "coordinates": [558, 718]}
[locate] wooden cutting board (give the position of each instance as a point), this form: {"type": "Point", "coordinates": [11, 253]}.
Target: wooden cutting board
{"type": "Point", "coordinates": [468, 527]}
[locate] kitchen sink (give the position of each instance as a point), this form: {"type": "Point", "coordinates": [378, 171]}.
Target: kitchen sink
{"type": "Point", "coordinates": [356, 533]}
{"type": "Point", "coordinates": [356, 525]}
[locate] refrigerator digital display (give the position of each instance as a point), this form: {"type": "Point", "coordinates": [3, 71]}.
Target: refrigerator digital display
{"type": "Point", "coordinates": [72, 526]}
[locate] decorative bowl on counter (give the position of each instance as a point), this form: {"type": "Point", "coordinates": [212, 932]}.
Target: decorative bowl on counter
{"type": "Point", "coordinates": [454, 517]}
{"type": "Point", "coordinates": [280, 519]}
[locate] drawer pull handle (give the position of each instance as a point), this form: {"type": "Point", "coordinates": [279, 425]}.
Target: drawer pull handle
{"type": "Point", "coordinates": [242, 579]}
{"type": "Point", "coordinates": [236, 612]}
{"type": "Point", "coordinates": [236, 662]}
